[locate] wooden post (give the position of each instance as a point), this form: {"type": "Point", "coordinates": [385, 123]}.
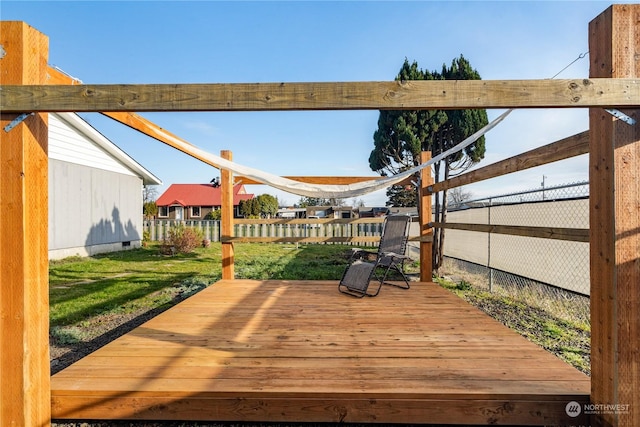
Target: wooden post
{"type": "Point", "coordinates": [614, 175]}
{"type": "Point", "coordinates": [226, 231]}
{"type": "Point", "coordinates": [25, 396]}
{"type": "Point", "coordinates": [426, 232]}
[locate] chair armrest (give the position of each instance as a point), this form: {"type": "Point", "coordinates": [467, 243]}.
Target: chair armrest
{"type": "Point", "coordinates": [359, 253]}
{"type": "Point", "coordinates": [358, 250]}
{"type": "Point", "coordinates": [395, 255]}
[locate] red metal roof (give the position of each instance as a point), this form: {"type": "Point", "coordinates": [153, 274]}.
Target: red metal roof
{"type": "Point", "coordinates": [199, 195]}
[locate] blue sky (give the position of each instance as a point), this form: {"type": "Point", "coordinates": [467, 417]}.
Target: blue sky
{"type": "Point", "coordinates": [298, 41]}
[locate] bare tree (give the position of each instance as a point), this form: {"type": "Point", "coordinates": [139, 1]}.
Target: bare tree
{"type": "Point", "coordinates": [457, 196]}
{"type": "Point", "coordinates": [149, 193]}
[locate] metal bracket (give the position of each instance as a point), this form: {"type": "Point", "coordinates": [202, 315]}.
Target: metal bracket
{"type": "Point", "coordinates": [622, 116]}
{"type": "Point", "coordinates": [15, 122]}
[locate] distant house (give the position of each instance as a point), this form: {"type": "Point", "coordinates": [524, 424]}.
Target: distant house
{"type": "Point", "coordinates": [330, 212]}
{"type": "Point", "coordinates": [195, 201]}
{"type": "Point", "coordinates": [373, 212]}
{"type": "Point", "coordinates": [95, 191]}
{"type": "Point", "coordinates": [291, 213]}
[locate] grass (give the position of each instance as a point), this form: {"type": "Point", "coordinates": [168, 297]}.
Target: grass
{"type": "Point", "coordinates": [125, 282]}
{"type": "Point", "coordinates": [567, 339]}
{"type": "Point", "coordinates": [565, 305]}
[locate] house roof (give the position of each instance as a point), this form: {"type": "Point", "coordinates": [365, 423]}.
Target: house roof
{"type": "Point", "coordinates": [93, 135]}
{"type": "Point", "coordinates": [199, 195]}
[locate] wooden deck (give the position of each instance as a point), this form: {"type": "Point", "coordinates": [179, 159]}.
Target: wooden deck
{"type": "Point", "coordinates": [300, 351]}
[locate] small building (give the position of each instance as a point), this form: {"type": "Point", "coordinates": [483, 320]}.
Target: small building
{"type": "Point", "coordinates": [319, 212]}
{"type": "Point", "coordinates": [373, 212]}
{"type": "Point", "coordinates": [291, 213]}
{"type": "Point", "coordinates": [194, 201]}
{"type": "Point", "coordinates": [330, 212]}
{"type": "Point", "coordinates": [344, 212]}
{"type": "Point", "coordinates": [95, 191]}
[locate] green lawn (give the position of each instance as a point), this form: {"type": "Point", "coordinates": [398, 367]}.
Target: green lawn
{"type": "Point", "coordinates": [121, 282]}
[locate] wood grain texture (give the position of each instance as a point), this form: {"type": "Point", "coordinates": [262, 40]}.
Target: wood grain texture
{"type": "Point", "coordinates": [557, 233]}
{"type": "Point", "coordinates": [396, 95]}
{"type": "Point", "coordinates": [226, 220]}
{"type": "Point", "coordinates": [614, 165]}
{"type": "Point", "coordinates": [560, 150]}
{"type": "Point", "coordinates": [57, 77]}
{"type": "Point", "coordinates": [24, 293]}
{"type": "Point", "coordinates": [426, 231]}
{"type": "Point", "coordinates": [300, 351]}
{"type": "Point", "coordinates": [146, 127]}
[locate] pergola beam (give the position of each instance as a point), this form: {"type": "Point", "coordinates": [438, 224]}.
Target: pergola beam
{"type": "Point", "coordinates": [565, 148]}
{"type": "Point", "coordinates": [394, 95]}
{"type": "Point", "coordinates": [426, 216]}
{"type": "Point", "coordinates": [226, 221]}
{"type": "Point", "coordinates": [150, 129]}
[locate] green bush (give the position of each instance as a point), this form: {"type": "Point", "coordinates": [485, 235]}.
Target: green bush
{"type": "Point", "coordinates": [182, 239]}
{"type": "Point", "coordinates": [214, 215]}
{"type": "Point", "coordinates": [463, 286]}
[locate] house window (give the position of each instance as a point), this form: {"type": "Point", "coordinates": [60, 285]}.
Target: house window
{"type": "Point", "coordinates": [195, 211]}
{"type": "Point", "coordinates": [163, 211]}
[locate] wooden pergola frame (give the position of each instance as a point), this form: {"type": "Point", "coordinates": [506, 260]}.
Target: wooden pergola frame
{"type": "Point", "coordinates": [614, 150]}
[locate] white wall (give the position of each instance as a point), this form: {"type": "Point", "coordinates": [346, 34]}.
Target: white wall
{"type": "Point", "coordinates": [95, 202]}
{"type": "Point", "coordinates": [92, 210]}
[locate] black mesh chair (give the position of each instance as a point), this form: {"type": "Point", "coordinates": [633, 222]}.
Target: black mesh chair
{"type": "Point", "coordinates": [365, 265]}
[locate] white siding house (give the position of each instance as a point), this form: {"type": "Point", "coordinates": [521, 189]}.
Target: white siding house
{"type": "Point", "coordinates": [95, 191]}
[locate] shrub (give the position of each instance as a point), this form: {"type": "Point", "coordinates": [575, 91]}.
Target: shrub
{"type": "Point", "coordinates": [213, 215]}
{"type": "Point", "coordinates": [150, 210]}
{"type": "Point", "coordinates": [182, 239]}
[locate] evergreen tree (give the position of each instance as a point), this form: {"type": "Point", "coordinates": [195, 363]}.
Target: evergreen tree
{"type": "Point", "coordinates": [149, 207]}
{"type": "Point", "coordinates": [150, 210]}
{"type": "Point", "coordinates": [401, 195]}
{"type": "Point", "coordinates": [246, 208]}
{"type": "Point", "coordinates": [268, 205]}
{"type": "Point", "coordinates": [255, 207]}
{"type": "Point", "coordinates": [242, 207]}
{"type": "Point", "coordinates": [264, 205]}
{"type": "Point", "coordinates": [402, 135]}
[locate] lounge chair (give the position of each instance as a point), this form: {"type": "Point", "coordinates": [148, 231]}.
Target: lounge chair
{"type": "Point", "coordinates": [364, 265]}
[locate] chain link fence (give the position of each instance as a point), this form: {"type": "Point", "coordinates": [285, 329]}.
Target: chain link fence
{"type": "Point", "coordinates": [552, 274]}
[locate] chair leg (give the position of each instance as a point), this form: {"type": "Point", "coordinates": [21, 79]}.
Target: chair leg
{"type": "Point", "coordinates": [404, 276]}
{"type": "Point", "coordinates": [377, 291]}
{"type": "Point", "coordinates": [345, 290]}
{"type": "Point", "coordinates": [358, 294]}
{"type": "Point", "coordinates": [399, 270]}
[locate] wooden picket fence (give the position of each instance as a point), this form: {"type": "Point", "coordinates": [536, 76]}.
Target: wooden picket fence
{"type": "Point", "coordinates": [367, 230]}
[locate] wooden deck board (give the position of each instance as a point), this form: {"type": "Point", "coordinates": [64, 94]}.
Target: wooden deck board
{"type": "Point", "coordinates": [300, 351]}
